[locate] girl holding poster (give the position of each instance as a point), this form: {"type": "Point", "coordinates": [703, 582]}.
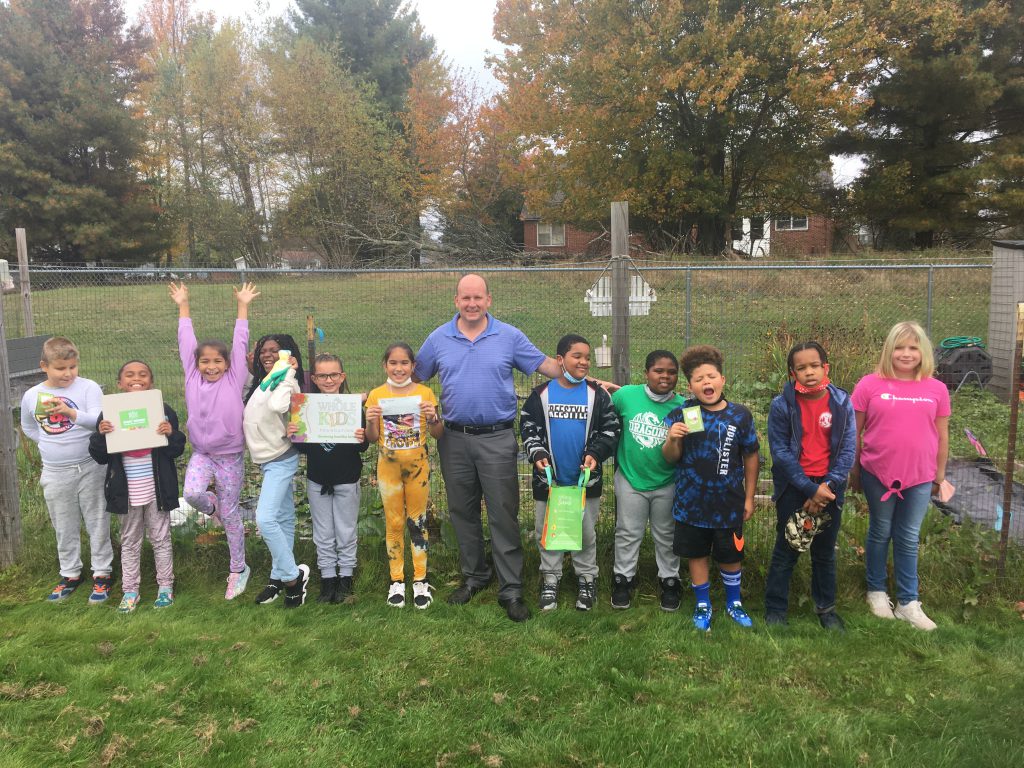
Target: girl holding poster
{"type": "Point", "coordinates": [399, 413]}
{"type": "Point", "coordinates": [333, 469]}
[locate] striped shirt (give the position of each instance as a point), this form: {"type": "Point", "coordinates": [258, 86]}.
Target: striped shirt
{"type": "Point", "coordinates": [138, 468]}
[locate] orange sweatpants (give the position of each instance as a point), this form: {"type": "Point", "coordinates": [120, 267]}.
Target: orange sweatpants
{"type": "Point", "coordinates": [404, 483]}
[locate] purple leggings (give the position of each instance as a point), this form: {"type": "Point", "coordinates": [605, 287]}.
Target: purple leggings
{"type": "Point", "coordinates": [225, 472]}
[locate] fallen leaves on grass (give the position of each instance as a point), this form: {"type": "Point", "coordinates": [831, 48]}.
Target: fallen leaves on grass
{"type": "Point", "coordinates": [238, 726]}
{"type": "Point", "coordinates": [499, 698]}
{"type": "Point", "coordinates": [493, 761]}
{"type": "Point", "coordinates": [122, 696]}
{"type": "Point", "coordinates": [354, 711]}
{"type": "Point", "coordinates": [205, 732]}
{"type": "Point", "coordinates": [37, 691]}
{"type": "Point", "coordinates": [66, 745]}
{"type": "Point", "coordinates": [94, 726]}
{"type": "Point", "coordinates": [105, 649]}
{"type": "Point", "coordinates": [200, 660]}
{"type": "Point", "coordinates": [1019, 608]}
{"type": "Point", "coordinates": [116, 747]}
{"type": "Point", "coordinates": [239, 646]}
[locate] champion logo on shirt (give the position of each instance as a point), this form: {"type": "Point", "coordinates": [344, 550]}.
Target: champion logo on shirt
{"type": "Point", "coordinates": [563, 411]}
{"type": "Point", "coordinates": [648, 430]}
{"type": "Point", "coordinates": [825, 420]}
{"type": "Point", "coordinates": [892, 397]}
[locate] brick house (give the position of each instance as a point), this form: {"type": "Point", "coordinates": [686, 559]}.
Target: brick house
{"type": "Point", "coordinates": [784, 235]}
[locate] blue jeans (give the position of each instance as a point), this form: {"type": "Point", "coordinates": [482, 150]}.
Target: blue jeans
{"type": "Point", "coordinates": [897, 520]}
{"type": "Point", "coordinates": [784, 557]}
{"type": "Point", "coordinates": [275, 514]}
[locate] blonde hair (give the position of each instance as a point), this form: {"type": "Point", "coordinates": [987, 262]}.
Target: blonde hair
{"type": "Point", "coordinates": [908, 329]}
{"type": "Point", "coordinates": [59, 348]}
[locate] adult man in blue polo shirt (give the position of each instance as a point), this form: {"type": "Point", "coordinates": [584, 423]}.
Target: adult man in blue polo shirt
{"type": "Point", "coordinates": [474, 354]}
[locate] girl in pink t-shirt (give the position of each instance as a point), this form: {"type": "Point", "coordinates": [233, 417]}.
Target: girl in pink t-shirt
{"type": "Point", "coordinates": [902, 442]}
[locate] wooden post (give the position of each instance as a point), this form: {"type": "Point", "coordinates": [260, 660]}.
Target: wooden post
{"type": "Point", "coordinates": [10, 508]}
{"type": "Point", "coordinates": [26, 285]}
{"type": "Point", "coordinates": [620, 293]}
{"type": "Point", "coordinates": [1011, 443]}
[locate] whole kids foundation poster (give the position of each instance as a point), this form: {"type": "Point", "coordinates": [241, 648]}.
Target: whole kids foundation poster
{"type": "Point", "coordinates": [326, 418]}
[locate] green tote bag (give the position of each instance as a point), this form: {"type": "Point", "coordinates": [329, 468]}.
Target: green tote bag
{"type": "Point", "coordinates": [563, 518]}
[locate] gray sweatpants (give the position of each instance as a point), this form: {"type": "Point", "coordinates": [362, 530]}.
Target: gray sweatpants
{"type": "Point", "coordinates": [633, 509]}
{"type": "Point", "coordinates": [75, 495]}
{"type": "Point", "coordinates": [584, 561]}
{"type": "Point", "coordinates": [334, 528]}
{"type": "Point", "coordinates": [484, 467]}
{"type": "Point", "coordinates": [157, 525]}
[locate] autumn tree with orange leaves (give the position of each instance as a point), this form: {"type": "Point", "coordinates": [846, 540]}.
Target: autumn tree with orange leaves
{"type": "Point", "coordinates": [695, 112]}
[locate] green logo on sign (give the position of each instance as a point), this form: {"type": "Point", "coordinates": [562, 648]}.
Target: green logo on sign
{"type": "Point", "coordinates": [134, 418]}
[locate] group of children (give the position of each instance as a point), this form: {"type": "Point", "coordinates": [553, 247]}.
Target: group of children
{"type": "Point", "coordinates": [688, 468]}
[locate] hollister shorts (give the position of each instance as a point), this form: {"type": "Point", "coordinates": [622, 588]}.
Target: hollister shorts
{"type": "Point", "coordinates": [725, 545]}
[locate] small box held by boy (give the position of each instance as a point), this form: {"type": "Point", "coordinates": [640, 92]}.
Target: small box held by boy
{"type": "Point", "coordinates": [716, 478]}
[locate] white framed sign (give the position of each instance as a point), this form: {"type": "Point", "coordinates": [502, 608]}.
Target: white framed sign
{"type": "Point", "coordinates": [135, 416]}
{"type": "Point", "coordinates": [326, 418]}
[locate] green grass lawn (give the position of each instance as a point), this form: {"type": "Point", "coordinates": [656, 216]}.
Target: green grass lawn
{"type": "Point", "coordinates": [207, 682]}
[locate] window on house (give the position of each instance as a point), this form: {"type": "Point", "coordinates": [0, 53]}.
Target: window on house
{"type": "Point", "coordinates": [757, 228]}
{"type": "Point", "coordinates": [785, 223]}
{"type": "Point", "coordinates": [737, 230]}
{"type": "Point", "coordinates": [550, 234]}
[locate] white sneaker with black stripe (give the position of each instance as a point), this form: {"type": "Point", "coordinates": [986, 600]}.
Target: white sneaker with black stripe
{"type": "Point", "coordinates": [421, 596]}
{"type": "Point", "coordinates": [396, 594]}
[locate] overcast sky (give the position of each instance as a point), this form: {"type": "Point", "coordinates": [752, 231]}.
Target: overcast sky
{"type": "Point", "coordinates": [461, 29]}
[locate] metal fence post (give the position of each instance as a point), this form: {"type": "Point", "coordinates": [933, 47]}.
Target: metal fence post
{"type": "Point", "coordinates": [931, 291]}
{"type": "Point", "coordinates": [689, 294]}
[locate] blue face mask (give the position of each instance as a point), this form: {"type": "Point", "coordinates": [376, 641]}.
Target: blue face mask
{"type": "Point", "coordinates": [572, 379]}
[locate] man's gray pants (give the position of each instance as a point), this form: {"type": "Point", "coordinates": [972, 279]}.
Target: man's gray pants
{"type": "Point", "coordinates": [484, 467]}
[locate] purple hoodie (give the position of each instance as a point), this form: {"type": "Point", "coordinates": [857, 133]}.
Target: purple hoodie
{"type": "Point", "coordinates": [214, 408]}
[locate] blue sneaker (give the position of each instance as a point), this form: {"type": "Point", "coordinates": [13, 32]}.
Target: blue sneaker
{"type": "Point", "coordinates": [64, 589]}
{"type": "Point", "coordinates": [164, 598]}
{"type": "Point", "coordinates": [737, 614]}
{"type": "Point", "coordinates": [100, 589]}
{"type": "Point", "coordinates": [702, 617]}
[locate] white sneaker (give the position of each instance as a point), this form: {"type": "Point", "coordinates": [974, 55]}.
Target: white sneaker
{"type": "Point", "coordinates": [911, 612]}
{"type": "Point", "coordinates": [237, 583]}
{"type": "Point", "coordinates": [421, 596]}
{"type": "Point", "coordinates": [880, 605]}
{"type": "Point", "coordinates": [396, 594]}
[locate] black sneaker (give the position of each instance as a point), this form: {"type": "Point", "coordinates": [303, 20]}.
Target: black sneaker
{"type": "Point", "coordinates": [270, 592]}
{"type": "Point", "coordinates": [295, 593]}
{"type": "Point", "coordinates": [775, 619]}
{"type": "Point", "coordinates": [622, 591]}
{"type": "Point", "coordinates": [671, 593]}
{"type": "Point", "coordinates": [328, 589]}
{"type": "Point", "coordinates": [548, 600]}
{"type": "Point", "coordinates": [586, 594]}
{"type": "Point", "coordinates": [344, 589]}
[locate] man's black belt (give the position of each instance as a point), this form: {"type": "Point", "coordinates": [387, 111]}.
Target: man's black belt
{"type": "Point", "coordinates": [475, 429]}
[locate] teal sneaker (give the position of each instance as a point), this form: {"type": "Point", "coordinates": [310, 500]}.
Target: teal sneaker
{"type": "Point", "coordinates": [164, 598]}
{"type": "Point", "coordinates": [737, 614]}
{"type": "Point", "coordinates": [129, 602]}
{"type": "Point", "coordinates": [702, 617]}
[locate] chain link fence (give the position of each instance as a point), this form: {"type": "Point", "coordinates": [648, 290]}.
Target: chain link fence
{"type": "Point", "coordinates": [752, 312]}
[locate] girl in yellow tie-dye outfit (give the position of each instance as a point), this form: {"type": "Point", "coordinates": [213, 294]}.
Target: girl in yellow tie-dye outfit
{"type": "Point", "coordinates": [399, 414]}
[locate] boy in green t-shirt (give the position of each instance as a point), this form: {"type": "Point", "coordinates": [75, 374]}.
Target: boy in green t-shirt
{"type": "Point", "coordinates": [644, 481]}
